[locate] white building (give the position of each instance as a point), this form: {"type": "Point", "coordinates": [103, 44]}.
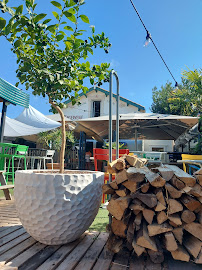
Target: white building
{"type": "Point", "coordinates": [96, 103]}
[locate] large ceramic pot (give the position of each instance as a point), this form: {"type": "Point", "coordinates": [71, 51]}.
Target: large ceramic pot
{"type": "Point", "coordinates": [57, 208]}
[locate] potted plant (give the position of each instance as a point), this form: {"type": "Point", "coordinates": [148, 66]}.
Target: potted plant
{"type": "Point", "coordinates": [55, 208]}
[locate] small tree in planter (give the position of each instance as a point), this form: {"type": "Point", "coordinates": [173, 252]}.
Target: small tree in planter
{"type": "Point", "coordinates": [51, 53]}
{"type": "Point", "coordinates": [51, 58]}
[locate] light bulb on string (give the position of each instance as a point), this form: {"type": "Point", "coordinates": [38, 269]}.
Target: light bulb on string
{"type": "Point", "coordinates": [147, 40]}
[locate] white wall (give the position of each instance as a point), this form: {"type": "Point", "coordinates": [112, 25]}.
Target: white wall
{"type": "Point", "coordinates": [84, 110]}
{"type": "Point", "coordinates": [166, 144]}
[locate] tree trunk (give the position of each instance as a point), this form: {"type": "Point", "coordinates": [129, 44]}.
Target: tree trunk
{"type": "Point", "coordinates": [62, 150]}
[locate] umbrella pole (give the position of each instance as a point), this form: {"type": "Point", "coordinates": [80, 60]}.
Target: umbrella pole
{"type": "Point", "coordinates": [135, 139]}
{"type": "Point", "coordinates": [110, 122]}
{"type": "Point", "coordinates": [3, 119]}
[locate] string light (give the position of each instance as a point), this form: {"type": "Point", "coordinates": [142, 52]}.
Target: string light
{"type": "Point", "coordinates": [150, 39]}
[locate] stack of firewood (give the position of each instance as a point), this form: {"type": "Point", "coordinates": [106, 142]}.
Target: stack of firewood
{"type": "Point", "coordinates": [154, 210]}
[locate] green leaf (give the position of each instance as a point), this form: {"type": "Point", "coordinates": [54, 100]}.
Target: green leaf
{"type": "Point", "coordinates": [19, 9]}
{"type": "Point", "coordinates": [51, 28]}
{"type": "Point", "coordinates": [69, 28]}
{"type": "Point", "coordinates": [59, 37]}
{"type": "Point", "coordinates": [7, 29]}
{"type": "Point", "coordinates": [84, 18]}
{"type": "Point", "coordinates": [70, 3]}
{"type": "Point", "coordinates": [56, 4]}
{"type": "Point", "coordinates": [67, 14]}
{"type": "Point", "coordinates": [68, 44]}
{"type": "Point", "coordinates": [72, 10]}
{"type": "Point", "coordinates": [70, 16]}
{"type": "Point", "coordinates": [2, 23]}
{"type": "Point", "coordinates": [17, 43]}
{"type": "Point", "coordinates": [46, 21]}
{"type": "Point", "coordinates": [56, 15]}
{"type": "Point", "coordinates": [39, 17]}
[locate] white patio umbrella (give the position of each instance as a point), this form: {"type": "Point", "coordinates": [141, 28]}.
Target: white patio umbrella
{"type": "Point", "coordinates": [150, 126]}
{"type": "Point", "coordinates": [29, 122]}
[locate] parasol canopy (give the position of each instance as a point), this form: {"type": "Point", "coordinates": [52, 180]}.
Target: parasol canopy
{"type": "Point", "coordinates": [149, 126]}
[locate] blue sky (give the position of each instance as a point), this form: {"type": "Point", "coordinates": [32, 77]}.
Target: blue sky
{"type": "Point", "coordinates": [175, 26]}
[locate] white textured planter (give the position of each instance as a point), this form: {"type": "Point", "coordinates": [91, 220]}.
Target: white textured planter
{"type": "Point", "coordinates": [57, 208]}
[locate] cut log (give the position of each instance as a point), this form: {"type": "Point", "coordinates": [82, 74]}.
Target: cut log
{"type": "Point", "coordinates": [118, 228]}
{"type": "Point", "coordinates": [174, 206]}
{"type": "Point", "coordinates": [199, 216]}
{"type": "Point", "coordinates": [114, 185]}
{"type": "Point", "coordinates": [166, 173]}
{"type": "Point", "coordinates": [198, 260]}
{"type": "Point", "coordinates": [138, 219]}
{"type": "Point", "coordinates": [177, 183]}
{"type": "Point", "coordinates": [196, 191]}
{"type": "Point", "coordinates": [175, 220]}
{"type": "Point", "coordinates": [116, 165]}
{"type": "Point", "coordinates": [160, 207]}
{"type": "Point", "coordinates": [193, 245]}
{"type": "Point", "coordinates": [130, 231]}
{"type": "Point", "coordinates": [114, 243]}
{"type": "Point", "coordinates": [148, 214]}
{"type": "Point", "coordinates": [160, 197]}
{"type": "Point", "coordinates": [190, 202]}
{"type": "Point", "coordinates": [155, 229]}
{"type": "Point", "coordinates": [136, 207]}
{"type": "Point", "coordinates": [132, 186]}
{"type": "Point", "coordinates": [178, 233]}
{"type": "Point", "coordinates": [161, 217]}
{"type": "Point", "coordinates": [183, 176]}
{"type": "Point", "coordinates": [107, 189]}
{"type": "Point", "coordinates": [122, 191]}
{"type": "Point", "coordinates": [132, 160]}
{"type": "Point", "coordinates": [145, 188]}
{"type": "Point", "coordinates": [126, 217]}
{"type": "Point", "coordinates": [144, 240]}
{"type": "Point", "coordinates": [188, 216]}
{"type": "Point", "coordinates": [173, 192]}
{"type": "Point", "coordinates": [170, 242]}
{"type": "Point", "coordinates": [195, 229]}
{"type": "Point", "coordinates": [148, 199]}
{"type": "Point", "coordinates": [121, 177]}
{"type": "Point", "coordinates": [155, 179]}
{"type": "Point", "coordinates": [156, 256]}
{"type": "Point", "coordinates": [136, 174]}
{"type": "Point", "coordinates": [199, 179]}
{"type": "Point", "coordinates": [117, 207]}
{"type": "Point", "coordinates": [138, 249]}
{"type": "Point", "coordinates": [180, 254]}
{"type": "Point", "coordinates": [199, 172]}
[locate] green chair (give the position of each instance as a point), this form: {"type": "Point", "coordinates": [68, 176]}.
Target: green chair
{"type": "Point", "coordinates": [20, 152]}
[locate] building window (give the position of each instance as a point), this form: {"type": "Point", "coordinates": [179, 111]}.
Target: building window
{"type": "Point", "coordinates": [96, 108]}
{"type": "Point", "coordinates": [158, 149]}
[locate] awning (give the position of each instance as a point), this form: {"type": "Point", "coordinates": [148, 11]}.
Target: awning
{"type": "Point", "coordinates": [150, 126]}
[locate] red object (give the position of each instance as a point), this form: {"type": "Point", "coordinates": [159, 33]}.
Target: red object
{"type": "Point", "coordinates": [103, 154]}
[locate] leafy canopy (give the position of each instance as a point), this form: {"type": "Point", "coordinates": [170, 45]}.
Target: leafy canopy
{"type": "Point", "coordinates": [52, 52]}
{"type": "Point", "coordinates": [184, 100]}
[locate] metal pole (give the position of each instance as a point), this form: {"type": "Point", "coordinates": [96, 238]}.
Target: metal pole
{"type": "Point", "coordinates": [3, 119]}
{"type": "Point", "coordinates": [110, 122]}
{"type": "Point", "coordinates": [135, 139]}
{"type": "Point", "coordinates": [110, 117]}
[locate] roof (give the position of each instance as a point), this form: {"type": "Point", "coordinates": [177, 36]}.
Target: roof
{"type": "Point", "coordinates": [129, 102]}
{"type": "Point", "coordinates": [12, 94]}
